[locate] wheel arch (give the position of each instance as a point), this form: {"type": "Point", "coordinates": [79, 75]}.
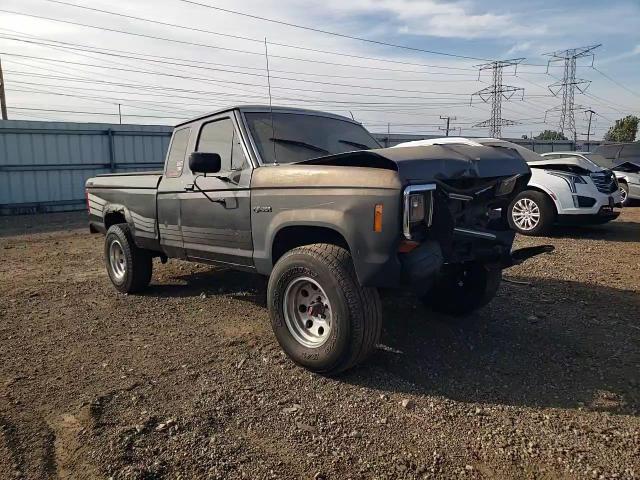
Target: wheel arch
{"type": "Point", "coordinates": [114, 214]}
{"type": "Point", "coordinates": [548, 193]}
{"type": "Point", "coordinates": [291, 236]}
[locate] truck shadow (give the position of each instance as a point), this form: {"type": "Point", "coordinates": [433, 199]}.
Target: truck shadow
{"type": "Point", "coordinates": [548, 344]}
{"type": "Point", "coordinates": [215, 281]}
{"type": "Point", "coordinates": [552, 344]}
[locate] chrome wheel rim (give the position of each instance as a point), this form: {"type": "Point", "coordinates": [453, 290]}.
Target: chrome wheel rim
{"type": "Point", "coordinates": [526, 214]}
{"type": "Point", "coordinates": [307, 312]}
{"type": "Point", "coordinates": [623, 195]}
{"type": "Point", "coordinates": [117, 260]}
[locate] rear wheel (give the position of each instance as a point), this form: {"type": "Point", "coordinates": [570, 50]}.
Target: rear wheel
{"type": "Point", "coordinates": [461, 289]}
{"type": "Point", "coordinates": [321, 316]}
{"type": "Point", "coordinates": [531, 213]}
{"type": "Point", "coordinates": [128, 266]}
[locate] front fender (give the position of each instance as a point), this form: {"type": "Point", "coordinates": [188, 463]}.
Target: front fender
{"type": "Point", "coordinates": [347, 211]}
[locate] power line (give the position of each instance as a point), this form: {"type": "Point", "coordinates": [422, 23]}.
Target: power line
{"type": "Point", "coordinates": [616, 82]}
{"type": "Point", "coordinates": [187, 77]}
{"type": "Point", "coordinates": [256, 40]}
{"type": "Point", "coordinates": [163, 60]}
{"type": "Point", "coordinates": [332, 84]}
{"type": "Point", "coordinates": [415, 105]}
{"type": "Point", "coordinates": [196, 44]}
{"type": "Point", "coordinates": [327, 32]}
{"type": "Point", "coordinates": [93, 113]}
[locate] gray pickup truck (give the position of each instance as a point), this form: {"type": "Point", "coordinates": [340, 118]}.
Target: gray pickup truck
{"type": "Point", "coordinates": [312, 201]}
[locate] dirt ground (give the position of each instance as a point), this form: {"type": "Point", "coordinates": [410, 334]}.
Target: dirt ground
{"type": "Point", "coordinates": [186, 381]}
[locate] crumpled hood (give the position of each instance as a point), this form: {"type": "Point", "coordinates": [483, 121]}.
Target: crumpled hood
{"type": "Point", "coordinates": [435, 162]}
{"type": "Point", "coordinates": [577, 161]}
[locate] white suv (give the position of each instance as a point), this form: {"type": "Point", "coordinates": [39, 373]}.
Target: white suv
{"type": "Point", "coordinates": [568, 190]}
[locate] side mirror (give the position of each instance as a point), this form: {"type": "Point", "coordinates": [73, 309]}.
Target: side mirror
{"type": "Point", "coordinates": [204, 162]}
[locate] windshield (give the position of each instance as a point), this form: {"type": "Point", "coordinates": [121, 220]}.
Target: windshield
{"type": "Point", "coordinates": [528, 155]}
{"type": "Point", "coordinates": [297, 137]}
{"type": "Point", "coordinates": [599, 160]}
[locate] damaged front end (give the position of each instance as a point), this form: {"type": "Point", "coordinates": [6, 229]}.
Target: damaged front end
{"type": "Point", "coordinates": [458, 221]}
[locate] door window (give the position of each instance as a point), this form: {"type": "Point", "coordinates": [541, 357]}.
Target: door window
{"type": "Point", "coordinates": [220, 137]}
{"type": "Point", "coordinates": [177, 152]}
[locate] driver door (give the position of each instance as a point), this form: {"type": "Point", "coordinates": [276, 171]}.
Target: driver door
{"type": "Point", "coordinates": [215, 210]}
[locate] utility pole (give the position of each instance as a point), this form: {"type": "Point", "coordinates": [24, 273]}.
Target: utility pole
{"type": "Point", "coordinates": [590, 112]}
{"type": "Point", "coordinates": [447, 128]}
{"type": "Point", "coordinates": [496, 93]}
{"type": "Point", "coordinates": [3, 98]}
{"type": "Point", "coordinates": [569, 84]}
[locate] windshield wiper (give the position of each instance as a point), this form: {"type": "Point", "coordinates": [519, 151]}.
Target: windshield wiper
{"type": "Point", "coordinates": [300, 143]}
{"type": "Point", "coordinates": [361, 146]}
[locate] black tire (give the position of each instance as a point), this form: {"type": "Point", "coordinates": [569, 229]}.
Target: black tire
{"type": "Point", "coordinates": [356, 311]}
{"type": "Point", "coordinates": [624, 186]}
{"type": "Point", "coordinates": [134, 272]}
{"type": "Point", "coordinates": [545, 208]}
{"type": "Point", "coordinates": [461, 289]}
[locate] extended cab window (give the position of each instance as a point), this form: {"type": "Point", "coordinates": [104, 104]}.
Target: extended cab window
{"type": "Point", "coordinates": [177, 152]}
{"type": "Point", "coordinates": [220, 137]}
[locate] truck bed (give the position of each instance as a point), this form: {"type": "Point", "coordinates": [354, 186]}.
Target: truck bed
{"type": "Point", "coordinates": [125, 197]}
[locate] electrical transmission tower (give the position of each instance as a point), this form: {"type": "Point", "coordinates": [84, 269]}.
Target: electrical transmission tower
{"type": "Point", "coordinates": [569, 84]}
{"type": "Point", "coordinates": [496, 93]}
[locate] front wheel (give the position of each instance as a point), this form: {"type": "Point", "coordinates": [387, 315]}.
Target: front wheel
{"type": "Point", "coordinates": [128, 266]}
{"type": "Point", "coordinates": [321, 316]}
{"type": "Point", "coordinates": [461, 289]}
{"type": "Point", "coordinates": [531, 213]}
{"type": "Point", "coordinates": [624, 194]}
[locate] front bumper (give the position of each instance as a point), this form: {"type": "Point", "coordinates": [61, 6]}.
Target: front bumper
{"type": "Point", "coordinates": [423, 264]}
{"type": "Point", "coordinates": [605, 214]}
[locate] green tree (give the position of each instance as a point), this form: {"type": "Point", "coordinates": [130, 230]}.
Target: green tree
{"type": "Point", "coordinates": [550, 135]}
{"type": "Point", "coordinates": [624, 130]}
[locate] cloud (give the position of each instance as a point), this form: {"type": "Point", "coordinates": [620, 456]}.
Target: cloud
{"type": "Point", "coordinates": [462, 19]}
{"type": "Point", "coordinates": [622, 56]}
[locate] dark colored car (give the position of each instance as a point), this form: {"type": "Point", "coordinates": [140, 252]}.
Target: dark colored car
{"type": "Point", "coordinates": [311, 200]}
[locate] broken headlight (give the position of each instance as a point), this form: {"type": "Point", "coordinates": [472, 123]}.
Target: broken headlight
{"type": "Point", "coordinates": [506, 186]}
{"type": "Point", "coordinates": [418, 206]}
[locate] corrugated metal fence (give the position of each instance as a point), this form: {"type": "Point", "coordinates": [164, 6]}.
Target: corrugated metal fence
{"type": "Point", "coordinates": [44, 165]}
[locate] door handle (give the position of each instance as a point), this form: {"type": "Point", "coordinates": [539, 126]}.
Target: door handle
{"type": "Point", "coordinates": [189, 187]}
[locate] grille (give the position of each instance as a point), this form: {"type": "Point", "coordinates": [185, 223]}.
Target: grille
{"type": "Point", "coordinates": [604, 181]}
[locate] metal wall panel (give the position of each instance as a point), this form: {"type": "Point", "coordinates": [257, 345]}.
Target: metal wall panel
{"type": "Point", "coordinates": [44, 165]}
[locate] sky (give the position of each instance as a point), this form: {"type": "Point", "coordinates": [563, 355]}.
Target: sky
{"type": "Point", "coordinates": [163, 61]}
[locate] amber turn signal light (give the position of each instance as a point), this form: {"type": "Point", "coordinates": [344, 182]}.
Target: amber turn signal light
{"type": "Point", "coordinates": [377, 218]}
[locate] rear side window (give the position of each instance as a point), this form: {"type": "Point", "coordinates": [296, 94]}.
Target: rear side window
{"type": "Point", "coordinates": [177, 152]}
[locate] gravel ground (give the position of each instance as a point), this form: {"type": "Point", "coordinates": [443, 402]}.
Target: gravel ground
{"type": "Point", "coordinates": [186, 381]}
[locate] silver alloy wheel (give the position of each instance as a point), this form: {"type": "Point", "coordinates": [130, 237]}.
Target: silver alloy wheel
{"type": "Point", "coordinates": [117, 260]}
{"type": "Point", "coordinates": [526, 214]}
{"type": "Point", "coordinates": [623, 195]}
{"type": "Point", "coordinates": [307, 312]}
